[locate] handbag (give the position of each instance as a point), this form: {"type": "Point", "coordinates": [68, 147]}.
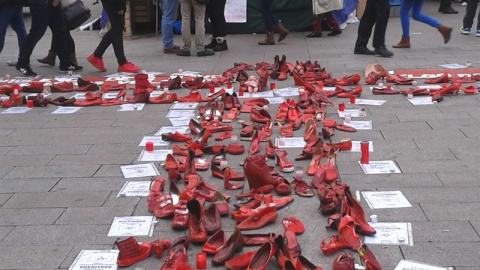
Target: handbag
{"type": "Point", "coordinates": [75, 14]}
{"type": "Point", "coordinates": [203, 2]}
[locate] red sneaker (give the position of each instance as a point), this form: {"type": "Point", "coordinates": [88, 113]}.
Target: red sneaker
{"type": "Point", "coordinates": [128, 67]}
{"type": "Point", "coordinates": [96, 62]}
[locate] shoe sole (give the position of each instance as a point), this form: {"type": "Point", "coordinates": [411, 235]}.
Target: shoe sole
{"type": "Point", "coordinates": [18, 71]}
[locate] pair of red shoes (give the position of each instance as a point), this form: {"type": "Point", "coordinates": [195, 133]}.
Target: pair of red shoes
{"type": "Point", "coordinates": [231, 101]}
{"type": "Point", "coordinates": [127, 67]}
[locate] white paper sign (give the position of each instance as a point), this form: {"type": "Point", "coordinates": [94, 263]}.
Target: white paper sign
{"type": "Point", "coordinates": [373, 102]}
{"type": "Point", "coordinates": [275, 100]}
{"type": "Point", "coordinates": [352, 112]}
{"type": "Point", "coordinates": [380, 167]}
{"type": "Point", "coordinates": [110, 95]}
{"type": "Point", "coordinates": [393, 233]}
{"type": "Point", "coordinates": [95, 259]}
{"type": "Point", "coordinates": [184, 106]}
{"type": "Point", "coordinates": [176, 122]}
{"type": "Point", "coordinates": [265, 94]}
{"type": "Point", "coordinates": [236, 11]}
{"type": "Point", "coordinates": [155, 155]}
{"type": "Point", "coordinates": [156, 93]}
{"type": "Point", "coordinates": [359, 125]}
{"type": "Point", "coordinates": [180, 113]}
{"type": "Point", "coordinates": [453, 66]}
{"type": "Point", "coordinates": [429, 86]}
{"type": "Point", "coordinates": [287, 92]}
{"type": "Point", "coordinates": [411, 265]}
{"type": "Point", "coordinates": [329, 88]}
{"type": "Point", "coordinates": [421, 101]}
{"type": "Point", "coordinates": [139, 170]}
{"type": "Point", "coordinates": [15, 110]}
{"type": "Point", "coordinates": [4, 97]}
{"type": "Point", "coordinates": [132, 226]}
{"type": "Point", "coordinates": [66, 110]}
{"type": "Point", "coordinates": [385, 199]}
{"type": "Point", "coordinates": [356, 146]}
{"type": "Point", "coordinates": [293, 142]}
{"type": "Point", "coordinates": [131, 107]}
{"type": "Point", "coordinates": [79, 96]}
{"type": "Point", "coordinates": [172, 129]}
{"type": "Point", "coordinates": [135, 189]}
{"type": "Point", "coordinates": [156, 140]}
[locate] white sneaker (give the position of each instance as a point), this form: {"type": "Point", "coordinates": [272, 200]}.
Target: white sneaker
{"type": "Point", "coordinates": [464, 4]}
{"type": "Point", "coordinates": [478, 33]}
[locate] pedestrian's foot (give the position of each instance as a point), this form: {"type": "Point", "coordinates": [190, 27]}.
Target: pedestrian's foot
{"type": "Point", "coordinates": [334, 32]}
{"type": "Point", "coordinates": [205, 53]}
{"type": "Point", "coordinates": [363, 50]}
{"type": "Point", "coordinates": [314, 35]}
{"type": "Point", "coordinates": [71, 68]}
{"type": "Point", "coordinates": [172, 50]}
{"type": "Point", "coordinates": [25, 71]}
{"type": "Point", "coordinates": [383, 52]}
{"type": "Point", "coordinates": [183, 53]}
{"type": "Point", "coordinates": [449, 11]}
{"type": "Point", "coordinates": [12, 63]}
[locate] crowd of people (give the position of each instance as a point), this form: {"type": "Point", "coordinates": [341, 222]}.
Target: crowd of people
{"type": "Point", "coordinates": [48, 13]}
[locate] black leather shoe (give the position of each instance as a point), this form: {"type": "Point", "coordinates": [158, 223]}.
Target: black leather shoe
{"type": "Point", "coordinates": [363, 50]}
{"type": "Point", "coordinates": [334, 32]}
{"type": "Point", "coordinates": [220, 47]}
{"type": "Point", "coordinates": [449, 11]}
{"type": "Point", "coordinates": [383, 52]}
{"type": "Point", "coordinates": [314, 35]}
{"type": "Point", "coordinates": [183, 53]}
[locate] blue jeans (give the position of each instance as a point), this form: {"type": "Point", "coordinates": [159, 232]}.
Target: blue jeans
{"type": "Point", "coordinates": [268, 17]}
{"type": "Point", "coordinates": [169, 9]}
{"type": "Point", "coordinates": [416, 7]}
{"type": "Point", "coordinates": [13, 16]}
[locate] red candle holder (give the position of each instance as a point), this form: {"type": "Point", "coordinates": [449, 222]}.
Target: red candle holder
{"type": "Point", "coordinates": [212, 89]}
{"type": "Point", "coordinates": [352, 99]}
{"type": "Point", "coordinates": [201, 260]}
{"type": "Point", "coordinates": [229, 85]}
{"type": "Point", "coordinates": [30, 103]}
{"type": "Point", "coordinates": [341, 107]}
{"type": "Point", "coordinates": [365, 159]}
{"type": "Point", "coordinates": [272, 86]}
{"type": "Point", "coordinates": [240, 91]}
{"type": "Point", "coordinates": [149, 146]}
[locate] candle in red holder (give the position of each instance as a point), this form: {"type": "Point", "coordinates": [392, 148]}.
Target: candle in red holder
{"type": "Point", "coordinates": [201, 260]}
{"type": "Point", "coordinates": [365, 154]}
{"type": "Point", "coordinates": [352, 99]}
{"type": "Point", "coordinates": [240, 91]}
{"type": "Point", "coordinates": [341, 107]}
{"type": "Point", "coordinates": [272, 86]}
{"type": "Point", "coordinates": [105, 89]}
{"type": "Point", "coordinates": [229, 85]}
{"type": "Point", "coordinates": [30, 103]}
{"type": "Point", "coordinates": [212, 89]}
{"type": "Point", "coordinates": [149, 146]}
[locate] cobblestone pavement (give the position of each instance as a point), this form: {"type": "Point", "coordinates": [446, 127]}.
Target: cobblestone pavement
{"type": "Point", "coordinates": [59, 174]}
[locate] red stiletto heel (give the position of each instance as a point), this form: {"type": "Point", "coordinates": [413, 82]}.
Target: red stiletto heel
{"type": "Point", "coordinates": [316, 157]}
{"type": "Point", "coordinates": [282, 162]}
{"type": "Point", "coordinates": [122, 95]}
{"type": "Point", "coordinates": [373, 77]}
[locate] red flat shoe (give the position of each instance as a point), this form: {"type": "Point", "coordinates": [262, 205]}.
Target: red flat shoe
{"type": "Point", "coordinates": [469, 90]}
{"type": "Point", "coordinates": [260, 115]}
{"type": "Point", "coordinates": [305, 263]}
{"type": "Point", "coordinates": [292, 244]}
{"type": "Point", "coordinates": [235, 149]}
{"type": "Point", "coordinates": [285, 130]}
{"type": "Point", "coordinates": [262, 257]}
{"type": "Point", "coordinates": [282, 186]}
{"type": "Point", "coordinates": [193, 96]}
{"type": "Point", "coordinates": [61, 87]}
{"type": "Point", "coordinates": [350, 80]}
{"type": "Point", "coordinates": [164, 98]}
{"type": "Point", "coordinates": [441, 79]}
{"type": "Point", "coordinates": [344, 145]}
{"type": "Point", "coordinates": [357, 91]}
{"type": "Point", "coordinates": [158, 246]}
{"type": "Point", "coordinates": [368, 259]}
{"type": "Point", "coordinates": [223, 136]}
{"type": "Point", "coordinates": [344, 261]}
{"type": "Point", "coordinates": [215, 243]}
{"type": "Point", "coordinates": [233, 244]}
{"type": "Point", "coordinates": [226, 180]}
{"type": "Point", "coordinates": [34, 87]}
{"type": "Point", "coordinates": [346, 229]}
{"type": "Point", "coordinates": [240, 262]}
{"type": "Point", "coordinates": [211, 219]}
{"type": "Point", "coordinates": [170, 162]}
{"type": "Point", "coordinates": [261, 217]}
{"type": "Point", "coordinates": [332, 244]}
{"type": "Point", "coordinates": [293, 224]}
{"type": "Point", "coordinates": [254, 147]}
{"type": "Point", "coordinates": [180, 216]}
{"type": "Point", "coordinates": [176, 137]}
{"type": "Point", "coordinates": [282, 162]}
{"type": "Point", "coordinates": [302, 188]}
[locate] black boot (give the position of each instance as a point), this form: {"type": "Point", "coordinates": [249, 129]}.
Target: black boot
{"type": "Point", "coordinates": [212, 44]}
{"type": "Point", "coordinates": [222, 46]}
{"type": "Point", "coordinates": [49, 59]}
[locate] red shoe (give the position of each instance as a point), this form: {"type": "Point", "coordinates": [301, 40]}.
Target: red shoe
{"type": "Point", "coordinates": [442, 79]}
{"type": "Point", "coordinates": [176, 137]}
{"type": "Point", "coordinates": [128, 67]}
{"type": "Point", "coordinates": [226, 180]}
{"type": "Point", "coordinates": [332, 244]}
{"type": "Point", "coordinates": [262, 257]}
{"type": "Point", "coordinates": [352, 79]}
{"type": "Point", "coordinates": [344, 261]}
{"type": "Point", "coordinates": [270, 149]}
{"type": "Point", "coordinates": [293, 224]}
{"type": "Point", "coordinates": [96, 62]}
{"type": "Point", "coordinates": [132, 252]}
{"type": "Point", "coordinates": [159, 246]}
{"type": "Point", "coordinates": [285, 130]}
{"type": "Point", "coordinates": [164, 98]}
{"type": "Point", "coordinates": [62, 87]}
{"type": "Point", "coordinates": [302, 188]}
{"type": "Point", "coordinates": [368, 259]}
{"type": "Point", "coordinates": [230, 116]}
{"type": "Point", "coordinates": [233, 244]}
{"type": "Point", "coordinates": [215, 243]}
{"type": "Point", "coordinates": [310, 129]}
{"type": "Point", "coordinates": [470, 90]}
{"type": "Point", "coordinates": [223, 136]}
{"type": "Point", "coordinates": [373, 77]}
{"type": "Point", "coordinates": [180, 216]}
{"type": "Point", "coordinates": [357, 91]}
{"type": "Point", "coordinates": [176, 257]}
{"type": "Point", "coordinates": [305, 263]}
{"type": "Point", "coordinates": [211, 219]}
{"type": "Point", "coordinates": [172, 83]}
{"type": "Point", "coordinates": [193, 96]}
{"type": "Point", "coordinates": [240, 262]}
{"type": "Point", "coordinates": [282, 162]}
{"type": "Point", "coordinates": [235, 149]}
{"type": "Point", "coordinates": [260, 115]}
{"type": "Point", "coordinates": [344, 145]}
{"type": "Point", "coordinates": [260, 217]}
{"type": "Point", "coordinates": [219, 173]}
{"type": "Point", "coordinates": [197, 231]}
{"type": "Point", "coordinates": [346, 228]}
{"type": "Point", "coordinates": [254, 147]}
{"type": "Point", "coordinates": [34, 87]}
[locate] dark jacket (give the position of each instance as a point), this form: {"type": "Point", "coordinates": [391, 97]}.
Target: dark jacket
{"type": "Point", "coordinates": [13, 3]}
{"type": "Point", "coordinates": [116, 4]}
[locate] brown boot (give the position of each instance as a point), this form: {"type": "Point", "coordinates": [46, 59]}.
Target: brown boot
{"type": "Point", "coordinates": [446, 32]}
{"type": "Point", "coordinates": [282, 31]}
{"type": "Point", "coordinates": [73, 58]}
{"type": "Point", "coordinates": [49, 59]}
{"type": "Point", "coordinates": [404, 43]}
{"type": "Point", "coordinates": [269, 39]}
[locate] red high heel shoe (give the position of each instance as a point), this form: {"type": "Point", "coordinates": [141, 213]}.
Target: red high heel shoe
{"type": "Point", "coordinates": [300, 82]}
{"type": "Point", "coordinates": [373, 77]}
{"type": "Point", "coordinates": [254, 147]}
{"type": "Point", "coordinates": [331, 173]}
{"type": "Point", "coordinates": [121, 95]}
{"type": "Point", "coordinates": [310, 129]}
{"type": "Point", "coordinates": [357, 91]}
{"type": "Point", "coordinates": [316, 157]}
{"type": "Point", "coordinates": [270, 149]}
{"type": "Point", "coordinates": [352, 79]}
{"type": "Point", "coordinates": [282, 162]}
{"type": "Point", "coordinates": [442, 79]}
{"type": "Point", "coordinates": [286, 130]}
{"type": "Point", "coordinates": [368, 259]}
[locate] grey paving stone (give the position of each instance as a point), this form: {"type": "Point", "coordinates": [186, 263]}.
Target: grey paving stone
{"type": "Point", "coordinates": [76, 250]}
{"type": "Point", "coordinates": [399, 154]}
{"type": "Point", "coordinates": [92, 215]}
{"type": "Point", "coordinates": [18, 124]}
{"type": "Point", "coordinates": [5, 170]}
{"type": "Point", "coordinates": [443, 231]}
{"type": "Point", "coordinates": [116, 148]}
{"type": "Point", "coordinates": [413, 166]}
{"type": "Point", "coordinates": [451, 211]}
{"type": "Point", "coordinates": [27, 185]}
{"type": "Point", "coordinates": [78, 123]}
{"type": "Point", "coordinates": [23, 161]}
{"type": "Point", "coordinates": [105, 158]}
{"type": "Point", "coordinates": [439, 143]}
{"type": "Point", "coordinates": [72, 131]}
{"type": "Point", "coordinates": [390, 181]}
{"type": "Point", "coordinates": [57, 199]}
{"type": "Point", "coordinates": [88, 184]}
{"type": "Point", "coordinates": [53, 171]}
{"type": "Point", "coordinates": [110, 171]}
{"type": "Point", "coordinates": [59, 235]}
{"type": "Point", "coordinates": [110, 116]}
{"type": "Point", "coordinates": [4, 198]}
{"type": "Point", "coordinates": [443, 253]}
{"type": "Point", "coordinates": [457, 179]}
{"type": "Point", "coordinates": [107, 131]}
{"type": "Point", "coordinates": [123, 202]}
{"type": "Point", "coordinates": [36, 150]}
{"type": "Point", "coordinates": [39, 216]}
{"type": "Point", "coordinates": [435, 120]}
{"type": "Point", "coordinates": [442, 194]}
{"type": "Point", "coordinates": [423, 134]}
{"type": "Point", "coordinates": [471, 132]}
{"type": "Point", "coordinates": [413, 127]}
{"type": "Point", "coordinates": [4, 150]}
{"type": "Point", "coordinates": [408, 214]}
{"type": "Point", "coordinates": [30, 139]}
{"type": "Point", "coordinates": [90, 139]}
{"type": "Point", "coordinates": [39, 257]}
{"type": "Point", "coordinates": [4, 231]}
{"type": "Point", "coordinates": [6, 132]}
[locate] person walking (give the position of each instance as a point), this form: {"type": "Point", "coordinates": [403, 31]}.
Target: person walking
{"type": "Point", "coordinates": [271, 23]}
{"type": "Point", "coordinates": [323, 9]}
{"type": "Point", "coordinates": [216, 13]}
{"type": "Point", "coordinates": [376, 14]}
{"type": "Point", "coordinates": [45, 14]}
{"type": "Point", "coordinates": [416, 7]}
{"type": "Point", "coordinates": [186, 7]}
{"type": "Point", "coordinates": [446, 7]}
{"type": "Point", "coordinates": [11, 13]}
{"type": "Point", "coordinates": [169, 15]}
{"type": "Point", "coordinates": [469, 16]}
{"type": "Point", "coordinates": [116, 14]}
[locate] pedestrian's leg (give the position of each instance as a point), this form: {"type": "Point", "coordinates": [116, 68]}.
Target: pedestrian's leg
{"type": "Point", "coordinates": [41, 14]}
{"type": "Point", "coordinates": [382, 10]}
{"type": "Point", "coordinates": [417, 15]}
{"type": "Point", "coordinates": [186, 11]}
{"type": "Point", "coordinates": [18, 25]}
{"type": "Point", "coordinates": [366, 24]}
{"type": "Point", "coordinates": [59, 36]}
{"type": "Point", "coordinates": [170, 8]}
{"type": "Point", "coordinates": [199, 15]}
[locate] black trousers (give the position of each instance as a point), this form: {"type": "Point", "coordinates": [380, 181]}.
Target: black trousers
{"type": "Point", "coordinates": [114, 36]}
{"type": "Point", "coordinates": [70, 44]}
{"type": "Point", "coordinates": [45, 15]}
{"type": "Point", "coordinates": [470, 14]}
{"type": "Point", "coordinates": [376, 13]}
{"type": "Point", "coordinates": [215, 12]}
